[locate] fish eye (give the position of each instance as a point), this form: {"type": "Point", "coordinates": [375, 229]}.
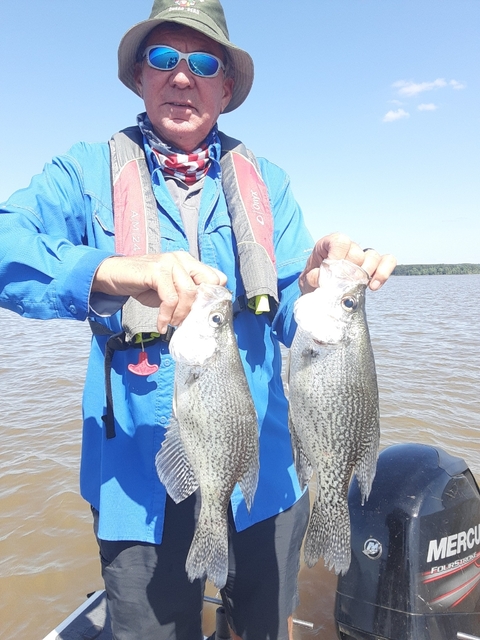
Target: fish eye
{"type": "Point", "coordinates": [216, 319]}
{"type": "Point", "coordinates": [349, 303]}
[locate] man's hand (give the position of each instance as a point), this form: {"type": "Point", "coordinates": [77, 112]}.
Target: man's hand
{"type": "Point", "coordinates": [337, 246]}
{"type": "Point", "coordinates": [167, 280]}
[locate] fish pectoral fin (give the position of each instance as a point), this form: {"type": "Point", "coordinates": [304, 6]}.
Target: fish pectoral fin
{"type": "Point", "coordinates": [303, 468]}
{"type": "Point", "coordinates": [192, 377]}
{"type": "Point", "coordinates": [366, 466]}
{"type": "Point", "coordinates": [302, 464]}
{"type": "Point", "coordinates": [173, 466]}
{"type": "Point", "coordinates": [248, 482]}
{"type": "Point", "coordinates": [287, 369]}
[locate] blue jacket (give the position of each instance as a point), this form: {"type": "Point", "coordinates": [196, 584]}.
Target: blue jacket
{"type": "Point", "coordinates": [54, 235]}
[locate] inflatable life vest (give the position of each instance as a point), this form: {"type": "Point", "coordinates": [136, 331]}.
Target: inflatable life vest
{"type": "Point", "coordinates": [137, 227]}
{"type": "Point", "coordinates": [137, 232]}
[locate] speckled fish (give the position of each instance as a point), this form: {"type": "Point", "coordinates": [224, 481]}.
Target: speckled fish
{"type": "Point", "coordinates": [334, 413]}
{"type": "Point", "coordinates": [211, 441]}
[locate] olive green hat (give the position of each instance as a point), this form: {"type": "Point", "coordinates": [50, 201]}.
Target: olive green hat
{"type": "Point", "coordinates": [205, 16]}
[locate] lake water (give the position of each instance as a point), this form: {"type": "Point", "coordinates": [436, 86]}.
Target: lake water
{"type": "Point", "coordinates": [426, 337]}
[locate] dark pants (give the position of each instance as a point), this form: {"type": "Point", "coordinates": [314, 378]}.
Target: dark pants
{"type": "Point", "coordinates": [151, 598]}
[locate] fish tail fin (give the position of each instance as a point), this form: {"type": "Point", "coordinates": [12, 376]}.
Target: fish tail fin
{"type": "Point", "coordinates": [173, 466]}
{"type": "Point", "coordinates": [249, 480]}
{"type": "Point", "coordinates": [328, 536]}
{"type": "Point", "coordinates": [208, 554]}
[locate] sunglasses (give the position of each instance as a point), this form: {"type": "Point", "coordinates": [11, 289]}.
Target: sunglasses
{"type": "Point", "coordinates": [166, 58]}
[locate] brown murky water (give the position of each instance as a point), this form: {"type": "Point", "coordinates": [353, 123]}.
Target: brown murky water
{"type": "Point", "coordinates": [426, 337]}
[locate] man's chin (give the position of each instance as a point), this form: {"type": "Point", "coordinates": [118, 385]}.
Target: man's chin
{"type": "Point", "coordinates": [182, 134]}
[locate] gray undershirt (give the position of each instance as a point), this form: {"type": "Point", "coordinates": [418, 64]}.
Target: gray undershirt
{"type": "Point", "coordinates": [187, 198]}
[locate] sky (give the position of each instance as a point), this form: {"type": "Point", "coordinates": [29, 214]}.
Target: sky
{"type": "Point", "coordinates": [371, 106]}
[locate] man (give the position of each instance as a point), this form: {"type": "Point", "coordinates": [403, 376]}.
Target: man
{"type": "Point", "coordinates": [58, 258]}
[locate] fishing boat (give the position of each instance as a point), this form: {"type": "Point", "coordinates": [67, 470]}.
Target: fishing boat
{"type": "Point", "coordinates": [91, 621]}
{"type": "Point", "coordinates": [415, 568]}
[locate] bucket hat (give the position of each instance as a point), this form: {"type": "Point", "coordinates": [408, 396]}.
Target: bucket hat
{"type": "Point", "coordinates": [205, 16]}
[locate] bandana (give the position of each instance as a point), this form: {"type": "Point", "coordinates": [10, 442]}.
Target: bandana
{"type": "Point", "coordinates": [188, 167]}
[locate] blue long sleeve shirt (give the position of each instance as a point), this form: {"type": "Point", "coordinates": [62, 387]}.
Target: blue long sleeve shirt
{"type": "Point", "coordinates": [54, 235]}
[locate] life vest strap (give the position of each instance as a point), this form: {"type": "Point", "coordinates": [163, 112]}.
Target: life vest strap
{"type": "Point", "coordinates": [118, 342]}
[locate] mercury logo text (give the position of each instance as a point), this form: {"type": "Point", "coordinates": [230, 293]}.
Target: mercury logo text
{"type": "Point", "coordinates": [454, 544]}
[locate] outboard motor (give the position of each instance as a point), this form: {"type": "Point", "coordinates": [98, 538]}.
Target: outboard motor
{"type": "Point", "coordinates": [415, 569]}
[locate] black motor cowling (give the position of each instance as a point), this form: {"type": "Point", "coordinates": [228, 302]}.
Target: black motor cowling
{"type": "Point", "coordinates": [415, 569]}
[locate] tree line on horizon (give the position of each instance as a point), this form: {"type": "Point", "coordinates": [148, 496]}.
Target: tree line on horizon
{"type": "Point", "coordinates": [435, 269]}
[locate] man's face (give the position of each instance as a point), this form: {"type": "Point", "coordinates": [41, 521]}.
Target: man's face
{"type": "Point", "coordinates": [182, 106]}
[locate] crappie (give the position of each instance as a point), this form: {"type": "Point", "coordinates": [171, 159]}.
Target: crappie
{"type": "Point", "coordinates": [333, 405]}
{"type": "Point", "coordinates": [212, 437]}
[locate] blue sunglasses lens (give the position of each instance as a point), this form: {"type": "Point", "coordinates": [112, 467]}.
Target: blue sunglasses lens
{"type": "Point", "coordinates": [163, 58]}
{"type": "Point", "coordinates": [201, 64]}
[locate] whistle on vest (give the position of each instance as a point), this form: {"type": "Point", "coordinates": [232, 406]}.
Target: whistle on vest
{"type": "Point", "coordinates": [143, 366]}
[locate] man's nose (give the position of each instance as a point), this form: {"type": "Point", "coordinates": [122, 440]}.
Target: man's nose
{"type": "Point", "coordinates": [181, 76]}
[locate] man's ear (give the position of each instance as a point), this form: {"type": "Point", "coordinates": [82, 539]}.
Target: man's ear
{"type": "Point", "coordinates": [137, 75]}
{"type": "Point", "coordinates": [228, 85]}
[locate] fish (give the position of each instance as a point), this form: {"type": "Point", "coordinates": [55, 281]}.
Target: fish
{"type": "Point", "coordinates": [211, 440]}
{"type": "Point", "coordinates": [334, 417]}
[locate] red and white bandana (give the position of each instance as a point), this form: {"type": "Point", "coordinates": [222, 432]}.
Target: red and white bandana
{"type": "Point", "coordinates": [189, 167]}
